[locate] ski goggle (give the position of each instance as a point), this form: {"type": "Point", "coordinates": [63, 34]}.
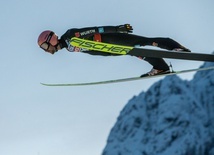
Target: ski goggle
{"type": "Point", "coordinates": [45, 46]}
{"type": "Point", "coordinates": [51, 40]}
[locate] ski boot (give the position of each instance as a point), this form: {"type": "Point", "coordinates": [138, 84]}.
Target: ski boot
{"type": "Point", "coordinates": [181, 49]}
{"type": "Point", "coordinates": [154, 72]}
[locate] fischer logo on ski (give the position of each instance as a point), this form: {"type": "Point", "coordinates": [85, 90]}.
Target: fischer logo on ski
{"type": "Point", "coordinates": [98, 46]}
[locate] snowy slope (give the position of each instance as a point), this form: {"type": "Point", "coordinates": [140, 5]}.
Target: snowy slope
{"type": "Point", "coordinates": [174, 117]}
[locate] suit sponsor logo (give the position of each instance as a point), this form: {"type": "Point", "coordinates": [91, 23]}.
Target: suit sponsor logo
{"type": "Point", "coordinates": [100, 46]}
{"type": "Point", "coordinates": [77, 34]}
{"type": "Point", "coordinates": [88, 32]}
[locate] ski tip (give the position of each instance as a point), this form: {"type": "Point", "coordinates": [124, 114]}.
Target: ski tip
{"type": "Point", "coordinates": [44, 84]}
{"type": "Point", "coordinates": [49, 85]}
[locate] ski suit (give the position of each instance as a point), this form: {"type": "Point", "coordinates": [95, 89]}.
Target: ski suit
{"type": "Point", "coordinates": [109, 34]}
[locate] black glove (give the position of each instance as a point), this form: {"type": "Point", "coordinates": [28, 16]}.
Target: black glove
{"type": "Point", "coordinates": [126, 28]}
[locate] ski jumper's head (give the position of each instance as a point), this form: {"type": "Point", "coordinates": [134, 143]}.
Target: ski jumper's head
{"type": "Point", "coordinates": [48, 41]}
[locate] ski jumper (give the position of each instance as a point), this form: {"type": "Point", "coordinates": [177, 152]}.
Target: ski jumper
{"type": "Point", "coordinates": [109, 34]}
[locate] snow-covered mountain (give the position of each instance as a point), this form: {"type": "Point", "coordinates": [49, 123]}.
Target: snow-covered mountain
{"type": "Point", "coordinates": [174, 117]}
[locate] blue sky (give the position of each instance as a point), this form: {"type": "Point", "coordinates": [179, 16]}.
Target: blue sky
{"type": "Point", "coordinates": [41, 120]}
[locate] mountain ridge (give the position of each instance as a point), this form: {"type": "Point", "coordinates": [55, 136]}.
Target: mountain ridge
{"type": "Point", "coordinates": [174, 117]}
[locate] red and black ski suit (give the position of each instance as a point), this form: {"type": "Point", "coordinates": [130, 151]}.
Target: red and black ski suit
{"type": "Point", "coordinates": [111, 34]}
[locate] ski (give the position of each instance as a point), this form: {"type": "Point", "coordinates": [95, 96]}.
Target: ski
{"type": "Point", "coordinates": [139, 52]}
{"type": "Point", "coordinates": [100, 46]}
{"type": "Point", "coordinates": [129, 79]}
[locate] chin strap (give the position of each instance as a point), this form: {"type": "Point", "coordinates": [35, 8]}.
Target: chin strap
{"type": "Point", "coordinates": [56, 47]}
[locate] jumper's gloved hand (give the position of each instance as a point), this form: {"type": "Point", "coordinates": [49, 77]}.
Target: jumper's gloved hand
{"type": "Point", "coordinates": [126, 28]}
